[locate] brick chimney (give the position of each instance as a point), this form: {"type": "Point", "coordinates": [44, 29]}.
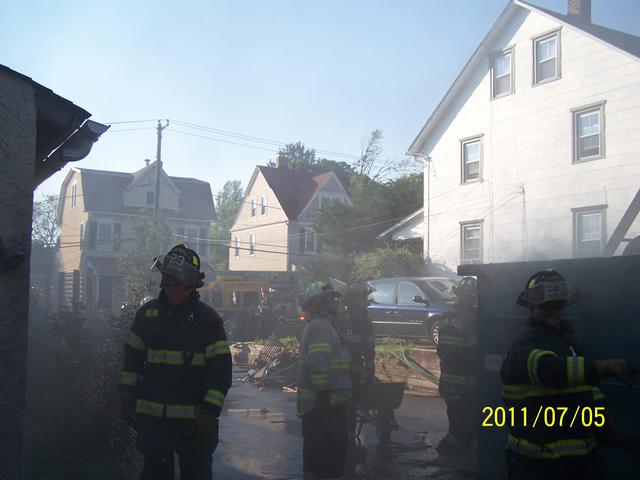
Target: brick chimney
{"type": "Point", "coordinates": [580, 10]}
{"type": "Point", "coordinates": [281, 161]}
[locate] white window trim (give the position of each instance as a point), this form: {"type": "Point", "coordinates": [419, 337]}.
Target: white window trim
{"type": "Point", "coordinates": [252, 244]}
{"type": "Point", "coordinates": [149, 187]}
{"type": "Point", "coordinates": [575, 113]}
{"type": "Point", "coordinates": [558, 75]}
{"type": "Point", "coordinates": [577, 212]}
{"type": "Point", "coordinates": [236, 247]}
{"type": "Point", "coordinates": [253, 208]}
{"type": "Point", "coordinates": [74, 194]}
{"type": "Point", "coordinates": [263, 205]}
{"type": "Point", "coordinates": [307, 233]}
{"type": "Point", "coordinates": [463, 226]}
{"type": "Point", "coordinates": [463, 142]}
{"type": "Point", "coordinates": [98, 244]}
{"type": "Point", "coordinates": [506, 51]}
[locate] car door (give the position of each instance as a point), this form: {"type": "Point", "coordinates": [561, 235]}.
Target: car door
{"type": "Point", "coordinates": [411, 318]}
{"type": "Point", "coordinates": [382, 306]}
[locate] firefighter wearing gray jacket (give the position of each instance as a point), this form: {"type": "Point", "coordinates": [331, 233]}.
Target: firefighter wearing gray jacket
{"type": "Point", "coordinates": [324, 386]}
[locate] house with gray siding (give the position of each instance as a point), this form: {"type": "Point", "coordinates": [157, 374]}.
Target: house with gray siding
{"type": "Point", "coordinates": [96, 215]}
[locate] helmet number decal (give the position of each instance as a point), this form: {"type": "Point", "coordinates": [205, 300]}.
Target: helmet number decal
{"type": "Point", "coordinates": [175, 259]}
{"type": "Point", "coordinates": [552, 289]}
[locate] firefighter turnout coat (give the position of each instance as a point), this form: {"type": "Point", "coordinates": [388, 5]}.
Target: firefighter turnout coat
{"type": "Point", "coordinates": [325, 365]}
{"type": "Point", "coordinates": [176, 361]}
{"type": "Point", "coordinates": [544, 372]}
{"type": "Point", "coordinates": [457, 349]}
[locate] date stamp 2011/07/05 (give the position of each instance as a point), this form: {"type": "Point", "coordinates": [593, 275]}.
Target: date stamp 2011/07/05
{"type": "Point", "coordinates": [551, 417]}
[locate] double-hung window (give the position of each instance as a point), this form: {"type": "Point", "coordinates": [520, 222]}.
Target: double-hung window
{"type": "Point", "coordinates": [471, 242]}
{"type": "Point", "coordinates": [150, 193]}
{"type": "Point", "coordinates": [252, 244]}
{"type": "Point", "coordinates": [546, 58]}
{"type": "Point", "coordinates": [471, 150]}
{"type": "Point", "coordinates": [502, 74]}
{"type": "Point", "coordinates": [263, 205]}
{"type": "Point", "coordinates": [74, 194]}
{"type": "Point", "coordinates": [105, 237]}
{"type": "Point", "coordinates": [588, 133]}
{"type": "Point", "coordinates": [237, 247]}
{"type": "Point", "coordinates": [589, 231]}
{"type": "Point", "coordinates": [253, 207]}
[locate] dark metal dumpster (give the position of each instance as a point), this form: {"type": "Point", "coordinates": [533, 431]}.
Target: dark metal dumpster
{"type": "Point", "coordinates": [607, 323]}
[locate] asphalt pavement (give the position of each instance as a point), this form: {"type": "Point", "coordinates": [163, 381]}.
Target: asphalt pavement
{"type": "Point", "coordinates": [261, 438]}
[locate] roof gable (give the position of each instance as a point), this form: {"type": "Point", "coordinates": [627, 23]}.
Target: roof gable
{"type": "Point", "coordinates": [620, 41]}
{"type": "Point", "coordinates": [103, 192]}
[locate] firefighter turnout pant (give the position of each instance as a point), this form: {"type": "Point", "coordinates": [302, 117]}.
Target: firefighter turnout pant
{"type": "Point", "coordinates": [520, 467]}
{"type": "Point", "coordinates": [325, 441]}
{"type": "Point", "coordinates": [158, 439]}
{"type": "Point", "coordinates": [462, 422]}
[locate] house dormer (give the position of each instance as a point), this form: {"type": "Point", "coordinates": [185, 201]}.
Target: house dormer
{"type": "Point", "coordinates": [141, 191]}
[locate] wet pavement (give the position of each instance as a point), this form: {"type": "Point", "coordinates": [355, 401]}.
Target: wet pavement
{"type": "Point", "coordinates": [261, 438]}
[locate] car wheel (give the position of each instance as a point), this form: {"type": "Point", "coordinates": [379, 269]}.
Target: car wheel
{"type": "Point", "coordinates": [434, 331]}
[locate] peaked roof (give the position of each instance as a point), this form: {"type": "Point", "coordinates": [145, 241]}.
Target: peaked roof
{"type": "Point", "coordinates": [412, 216]}
{"type": "Point", "coordinates": [624, 42]}
{"type": "Point", "coordinates": [103, 191]}
{"type": "Point", "coordinates": [294, 189]}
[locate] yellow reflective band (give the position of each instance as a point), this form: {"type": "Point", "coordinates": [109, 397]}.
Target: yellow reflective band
{"type": "Point", "coordinates": [339, 398]}
{"type": "Point", "coordinates": [151, 312]}
{"type": "Point", "coordinates": [221, 347]}
{"type": "Point", "coordinates": [306, 394]}
{"type": "Point", "coordinates": [575, 371]}
{"type": "Point", "coordinates": [340, 363]}
{"type": "Point", "coordinates": [451, 340]}
{"type": "Point", "coordinates": [458, 379]}
{"type": "Point", "coordinates": [519, 392]}
{"type": "Point", "coordinates": [164, 357]}
{"type": "Point", "coordinates": [134, 341]}
{"type": "Point", "coordinates": [558, 449]}
{"type": "Point", "coordinates": [181, 411]}
{"type": "Point", "coordinates": [319, 379]}
{"type": "Point", "coordinates": [598, 395]}
{"type": "Point", "coordinates": [532, 363]}
{"type": "Point", "coordinates": [146, 407]}
{"type": "Point", "coordinates": [215, 397]}
{"type": "Point", "coordinates": [128, 378]}
{"type": "Point", "coordinates": [319, 347]}
{"type": "Point", "coordinates": [198, 360]}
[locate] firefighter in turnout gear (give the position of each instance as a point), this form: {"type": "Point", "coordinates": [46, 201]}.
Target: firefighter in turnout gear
{"type": "Point", "coordinates": [457, 349]}
{"type": "Point", "coordinates": [356, 330]}
{"type": "Point", "coordinates": [545, 367]}
{"type": "Point", "coordinates": [176, 374]}
{"type": "Point", "coordinates": [324, 386]}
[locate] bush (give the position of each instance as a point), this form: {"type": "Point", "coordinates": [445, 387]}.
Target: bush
{"type": "Point", "coordinates": [74, 429]}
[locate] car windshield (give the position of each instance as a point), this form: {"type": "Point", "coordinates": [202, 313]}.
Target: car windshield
{"type": "Point", "coordinates": [440, 289]}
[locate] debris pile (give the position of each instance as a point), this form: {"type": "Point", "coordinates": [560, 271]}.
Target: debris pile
{"type": "Point", "coordinates": [275, 366]}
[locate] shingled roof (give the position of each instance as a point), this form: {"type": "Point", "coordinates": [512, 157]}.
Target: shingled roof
{"type": "Point", "coordinates": [293, 188]}
{"type": "Point", "coordinates": [103, 191]}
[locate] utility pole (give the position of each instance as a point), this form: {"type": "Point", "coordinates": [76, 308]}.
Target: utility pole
{"type": "Point", "coordinates": [156, 192]}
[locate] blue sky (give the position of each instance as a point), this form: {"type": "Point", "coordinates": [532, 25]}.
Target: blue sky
{"type": "Point", "coordinates": [326, 73]}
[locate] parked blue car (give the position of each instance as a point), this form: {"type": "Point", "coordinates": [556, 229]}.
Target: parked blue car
{"type": "Point", "coordinates": [410, 307]}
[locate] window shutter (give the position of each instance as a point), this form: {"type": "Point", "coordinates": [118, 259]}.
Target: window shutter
{"type": "Point", "coordinates": [93, 234]}
{"type": "Point", "coordinates": [302, 240]}
{"type": "Point", "coordinates": [117, 231]}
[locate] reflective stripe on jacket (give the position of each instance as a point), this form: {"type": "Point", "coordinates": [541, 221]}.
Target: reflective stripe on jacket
{"type": "Point", "coordinates": [176, 361]}
{"type": "Point", "coordinates": [457, 349]}
{"type": "Point", "coordinates": [325, 365]}
{"type": "Point", "coordinates": [545, 368]}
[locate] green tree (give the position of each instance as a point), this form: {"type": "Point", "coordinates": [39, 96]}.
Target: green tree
{"type": "Point", "coordinates": [228, 201]}
{"type": "Point", "coordinates": [151, 237]}
{"type": "Point", "coordinates": [386, 262]}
